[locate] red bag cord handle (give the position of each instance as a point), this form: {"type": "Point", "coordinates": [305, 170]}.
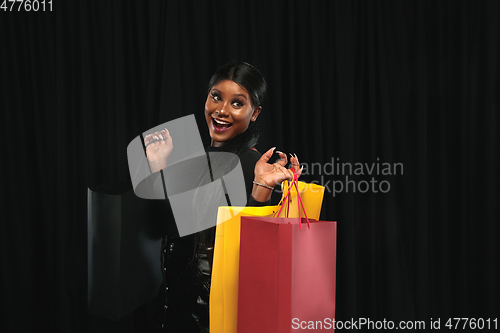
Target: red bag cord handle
{"type": "Point", "coordinates": [288, 203]}
{"type": "Point", "coordinates": [283, 203]}
{"type": "Point", "coordinates": [295, 183]}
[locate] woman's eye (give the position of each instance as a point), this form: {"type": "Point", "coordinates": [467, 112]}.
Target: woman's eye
{"type": "Point", "coordinates": [237, 104]}
{"type": "Point", "coordinates": [215, 97]}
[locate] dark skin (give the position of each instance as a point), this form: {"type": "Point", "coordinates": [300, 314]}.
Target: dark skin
{"type": "Point", "coordinates": [228, 112]}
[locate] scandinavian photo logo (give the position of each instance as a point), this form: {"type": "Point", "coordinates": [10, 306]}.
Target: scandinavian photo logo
{"type": "Point", "coordinates": [347, 177]}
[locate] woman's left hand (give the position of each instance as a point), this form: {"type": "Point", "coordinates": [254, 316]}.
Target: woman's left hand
{"type": "Point", "coordinates": [273, 174]}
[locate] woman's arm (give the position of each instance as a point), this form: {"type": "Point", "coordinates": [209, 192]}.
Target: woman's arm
{"type": "Point", "coordinates": [261, 193]}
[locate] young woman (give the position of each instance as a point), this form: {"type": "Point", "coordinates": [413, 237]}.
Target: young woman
{"type": "Point", "coordinates": [235, 95]}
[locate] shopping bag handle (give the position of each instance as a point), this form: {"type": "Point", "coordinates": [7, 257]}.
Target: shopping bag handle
{"type": "Point", "coordinates": [295, 183]}
{"type": "Point", "coordinates": [284, 197]}
{"type": "Point", "coordinates": [285, 188]}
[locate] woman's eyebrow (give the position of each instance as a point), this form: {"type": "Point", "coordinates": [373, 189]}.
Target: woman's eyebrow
{"type": "Point", "coordinates": [240, 95]}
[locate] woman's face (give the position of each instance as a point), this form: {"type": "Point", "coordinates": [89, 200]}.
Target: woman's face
{"type": "Point", "coordinates": [228, 111]}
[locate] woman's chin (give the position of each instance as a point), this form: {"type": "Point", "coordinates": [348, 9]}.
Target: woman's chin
{"type": "Point", "coordinates": [219, 137]}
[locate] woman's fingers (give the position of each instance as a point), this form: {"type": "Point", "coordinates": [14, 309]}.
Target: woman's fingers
{"type": "Point", "coordinates": [287, 175]}
{"type": "Point", "coordinates": [157, 138]}
{"type": "Point", "coordinates": [283, 159]}
{"type": "Point", "coordinates": [295, 164]}
{"type": "Point", "coordinates": [274, 174]}
{"type": "Point", "coordinates": [167, 139]}
{"type": "Point", "coordinates": [166, 134]}
{"type": "Point", "coordinates": [151, 140]}
{"type": "Point", "coordinates": [267, 155]}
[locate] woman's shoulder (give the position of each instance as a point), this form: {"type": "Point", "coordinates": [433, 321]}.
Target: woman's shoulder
{"type": "Point", "coordinates": [250, 155]}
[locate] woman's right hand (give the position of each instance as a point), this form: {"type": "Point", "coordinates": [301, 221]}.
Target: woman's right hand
{"type": "Point", "coordinates": [158, 147]}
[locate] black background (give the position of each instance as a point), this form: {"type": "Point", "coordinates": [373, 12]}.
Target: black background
{"type": "Point", "coordinates": [406, 82]}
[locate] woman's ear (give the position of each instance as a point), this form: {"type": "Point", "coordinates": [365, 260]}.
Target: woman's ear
{"type": "Point", "coordinates": [256, 113]}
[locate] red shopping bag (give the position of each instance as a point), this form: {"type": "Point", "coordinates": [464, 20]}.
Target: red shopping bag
{"type": "Point", "coordinates": [286, 275]}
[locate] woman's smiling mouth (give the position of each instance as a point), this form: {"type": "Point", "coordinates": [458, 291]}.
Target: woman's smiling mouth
{"type": "Point", "coordinates": [220, 126]}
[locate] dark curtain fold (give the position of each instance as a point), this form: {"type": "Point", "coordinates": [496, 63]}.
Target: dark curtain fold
{"type": "Point", "coordinates": [414, 83]}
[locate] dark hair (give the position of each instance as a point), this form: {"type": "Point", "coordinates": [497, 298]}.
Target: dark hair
{"type": "Point", "coordinates": [246, 76]}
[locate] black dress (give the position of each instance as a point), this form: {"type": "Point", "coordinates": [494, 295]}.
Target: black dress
{"type": "Point", "coordinates": [187, 270]}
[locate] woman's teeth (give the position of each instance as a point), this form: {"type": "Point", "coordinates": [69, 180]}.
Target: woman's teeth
{"type": "Point", "coordinates": [222, 123]}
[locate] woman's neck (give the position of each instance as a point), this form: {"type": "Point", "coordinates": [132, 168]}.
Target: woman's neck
{"type": "Point", "coordinates": [217, 143]}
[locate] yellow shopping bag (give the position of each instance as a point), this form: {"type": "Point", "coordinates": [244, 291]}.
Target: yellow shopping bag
{"type": "Point", "coordinates": [224, 285]}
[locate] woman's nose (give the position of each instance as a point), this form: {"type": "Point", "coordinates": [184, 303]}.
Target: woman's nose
{"type": "Point", "coordinates": [222, 111]}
